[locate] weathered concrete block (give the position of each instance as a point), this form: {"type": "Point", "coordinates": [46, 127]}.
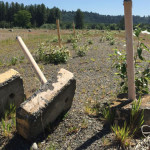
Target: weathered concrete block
{"type": "Point", "coordinates": [123, 109]}
{"type": "Point", "coordinates": [49, 102]}
{"type": "Point", "coordinates": [11, 90]}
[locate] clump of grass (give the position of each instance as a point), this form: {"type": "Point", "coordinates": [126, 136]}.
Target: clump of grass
{"type": "Point", "coordinates": [108, 115]}
{"type": "Point", "coordinates": [8, 123]}
{"type": "Point", "coordinates": [92, 108]}
{"type": "Point", "coordinates": [122, 134]}
{"type": "Point", "coordinates": [84, 124]}
{"type": "Point", "coordinates": [128, 131]}
{"type": "Point", "coordinates": [15, 60]}
{"type": "Point", "coordinates": [91, 111]}
{"type": "Point", "coordinates": [105, 141]}
{"type": "Point", "coordinates": [72, 130]}
{"type": "Point", "coordinates": [136, 117]}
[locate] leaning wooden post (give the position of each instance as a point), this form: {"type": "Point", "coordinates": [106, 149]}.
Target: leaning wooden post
{"type": "Point", "coordinates": [58, 32]}
{"type": "Point", "coordinates": [74, 31]}
{"type": "Point", "coordinates": [32, 61]}
{"type": "Point", "coordinates": [129, 48]}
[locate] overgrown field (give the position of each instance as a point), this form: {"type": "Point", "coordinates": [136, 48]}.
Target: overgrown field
{"type": "Point", "coordinates": [89, 55]}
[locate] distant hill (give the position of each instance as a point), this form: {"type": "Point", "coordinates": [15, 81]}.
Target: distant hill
{"type": "Point", "coordinates": [90, 17]}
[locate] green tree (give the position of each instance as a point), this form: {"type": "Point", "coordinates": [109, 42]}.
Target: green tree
{"type": "Point", "coordinates": [22, 19]}
{"type": "Point", "coordinates": [54, 14]}
{"type": "Point", "coordinates": [122, 24]}
{"type": "Point", "coordinates": [79, 19]}
{"type": "Point", "coordinates": [41, 15]}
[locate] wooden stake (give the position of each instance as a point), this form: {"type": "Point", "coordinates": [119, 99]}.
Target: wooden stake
{"type": "Point", "coordinates": [31, 60]}
{"type": "Point", "coordinates": [58, 32]}
{"type": "Point", "coordinates": [74, 31]}
{"type": "Point", "coordinates": [129, 48]}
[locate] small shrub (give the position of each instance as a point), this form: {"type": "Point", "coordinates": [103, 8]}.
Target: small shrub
{"type": "Point", "coordinates": [55, 40]}
{"type": "Point", "coordinates": [142, 74]}
{"type": "Point", "coordinates": [109, 37]}
{"type": "Point", "coordinates": [74, 45]}
{"type": "Point", "coordinates": [90, 42]}
{"type": "Point", "coordinates": [102, 39]}
{"type": "Point", "coordinates": [13, 61]}
{"type": "Point", "coordinates": [52, 54]}
{"type": "Point", "coordinates": [21, 59]}
{"type": "Point", "coordinates": [72, 39]}
{"type": "Point", "coordinates": [112, 42]}
{"type": "Point", "coordinates": [82, 50]}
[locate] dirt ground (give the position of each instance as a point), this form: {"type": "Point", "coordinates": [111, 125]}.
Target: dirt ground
{"type": "Point", "coordinates": [96, 84]}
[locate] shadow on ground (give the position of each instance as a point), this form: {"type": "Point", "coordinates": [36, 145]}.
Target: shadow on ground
{"type": "Point", "coordinates": [106, 130]}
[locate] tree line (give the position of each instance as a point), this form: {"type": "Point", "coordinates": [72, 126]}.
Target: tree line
{"type": "Point", "coordinates": [18, 15]}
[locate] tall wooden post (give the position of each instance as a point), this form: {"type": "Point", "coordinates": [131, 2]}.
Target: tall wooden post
{"type": "Point", "coordinates": [129, 48]}
{"type": "Point", "coordinates": [58, 32]}
{"type": "Point", "coordinates": [74, 31]}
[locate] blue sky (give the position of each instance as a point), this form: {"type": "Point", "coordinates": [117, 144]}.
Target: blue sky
{"type": "Point", "coordinates": [106, 7]}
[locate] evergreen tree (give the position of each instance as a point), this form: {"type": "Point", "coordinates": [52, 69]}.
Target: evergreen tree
{"type": "Point", "coordinates": [40, 15]}
{"type": "Point", "coordinates": [54, 14]}
{"type": "Point", "coordinates": [2, 11]}
{"type": "Point", "coordinates": [79, 19]}
{"type": "Point", "coordinates": [122, 24]}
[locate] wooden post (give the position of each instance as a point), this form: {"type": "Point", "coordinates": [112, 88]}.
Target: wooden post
{"type": "Point", "coordinates": [58, 32]}
{"type": "Point", "coordinates": [74, 31]}
{"type": "Point", "coordinates": [32, 61]}
{"type": "Point", "coordinates": [129, 48]}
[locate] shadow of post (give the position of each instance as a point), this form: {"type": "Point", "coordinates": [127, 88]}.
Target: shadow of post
{"type": "Point", "coordinates": [97, 136]}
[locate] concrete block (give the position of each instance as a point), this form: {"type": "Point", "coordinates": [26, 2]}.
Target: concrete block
{"type": "Point", "coordinates": [44, 106]}
{"type": "Point", "coordinates": [11, 90]}
{"type": "Point", "coordinates": [124, 106]}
